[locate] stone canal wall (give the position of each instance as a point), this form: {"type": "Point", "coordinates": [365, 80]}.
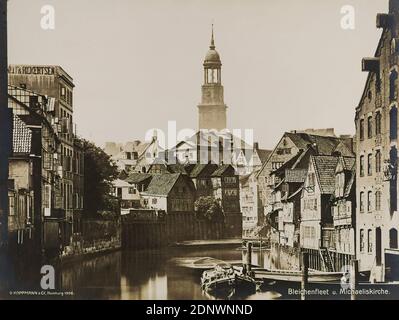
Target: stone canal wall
{"type": "Point", "coordinates": [283, 257]}
{"type": "Point", "coordinates": [97, 236]}
{"type": "Point", "coordinates": [164, 229]}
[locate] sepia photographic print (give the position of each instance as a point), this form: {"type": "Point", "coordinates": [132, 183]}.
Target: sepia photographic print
{"type": "Point", "coordinates": [208, 151]}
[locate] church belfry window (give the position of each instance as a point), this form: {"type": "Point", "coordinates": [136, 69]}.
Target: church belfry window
{"type": "Point", "coordinates": [393, 123]}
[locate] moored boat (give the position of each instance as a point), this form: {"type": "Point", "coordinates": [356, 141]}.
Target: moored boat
{"type": "Point", "coordinates": [226, 281]}
{"type": "Point", "coordinates": [296, 275]}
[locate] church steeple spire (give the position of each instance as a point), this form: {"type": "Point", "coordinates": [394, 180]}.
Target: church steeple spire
{"type": "Point", "coordinates": [212, 47]}
{"type": "Point", "coordinates": [212, 110]}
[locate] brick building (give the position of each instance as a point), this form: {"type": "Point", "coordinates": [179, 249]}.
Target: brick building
{"type": "Point", "coordinates": [377, 216]}
{"type": "Point", "coordinates": [33, 171]}
{"type": "Point", "coordinates": [67, 195]}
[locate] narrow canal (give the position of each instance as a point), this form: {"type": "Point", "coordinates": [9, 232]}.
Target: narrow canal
{"type": "Point", "coordinates": [149, 274]}
{"type": "Point", "coordinates": [156, 275]}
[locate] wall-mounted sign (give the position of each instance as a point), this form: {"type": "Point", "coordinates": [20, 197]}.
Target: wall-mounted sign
{"type": "Point", "coordinates": [32, 70]}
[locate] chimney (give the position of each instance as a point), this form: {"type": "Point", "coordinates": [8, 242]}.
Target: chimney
{"type": "Point", "coordinates": [256, 146]}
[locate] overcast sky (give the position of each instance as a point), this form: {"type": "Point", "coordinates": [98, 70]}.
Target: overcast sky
{"type": "Point", "coordinates": [287, 64]}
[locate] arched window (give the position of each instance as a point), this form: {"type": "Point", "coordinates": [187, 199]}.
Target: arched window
{"type": "Point", "coordinates": [392, 85]}
{"type": "Point", "coordinates": [393, 123]}
{"type": "Point", "coordinates": [361, 129]}
{"type": "Point", "coordinates": [370, 127]}
{"type": "Point", "coordinates": [378, 123]}
{"type": "Point", "coordinates": [369, 205]}
{"type": "Point", "coordinates": [378, 161]}
{"type": "Point", "coordinates": [393, 158]}
{"type": "Point", "coordinates": [361, 202]}
{"type": "Point", "coordinates": [393, 238]}
{"type": "Point", "coordinates": [369, 164]}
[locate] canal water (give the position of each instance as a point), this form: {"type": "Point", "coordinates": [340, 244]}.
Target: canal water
{"type": "Point", "coordinates": [156, 275]}
{"type": "Point", "coordinates": [148, 275]}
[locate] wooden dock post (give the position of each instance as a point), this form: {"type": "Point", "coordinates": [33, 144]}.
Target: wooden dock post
{"type": "Point", "coordinates": [249, 256]}
{"type": "Point", "coordinates": [354, 274]}
{"type": "Point", "coordinates": [305, 274]}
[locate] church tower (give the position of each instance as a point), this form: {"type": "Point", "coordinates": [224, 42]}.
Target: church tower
{"type": "Point", "coordinates": [212, 110]}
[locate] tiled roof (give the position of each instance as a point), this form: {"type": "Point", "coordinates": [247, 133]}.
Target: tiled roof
{"type": "Point", "coordinates": [244, 179]}
{"type": "Point", "coordinates": [162, 184]}
{"type": "Point", "coordinates": [221, 170]}
{"type": "Point", "coordinates": [263, 154]}
{"type": "Point", "coordinates": [325, 145]}
{"type": "Point", "coordinates": [22, 137]}
{"type": "Point", "coordinates": [202, 169]}
{"type": "Point", "coordinates": [295, 175]}
{"type": "Point", "coordinates": [325, 171]}
{"type": "Point", "coordinates": [137, 177]}
{"type": "Point", "coordinates": [177, 168]}
{"type": "Point", "coordinates": [120, 183]}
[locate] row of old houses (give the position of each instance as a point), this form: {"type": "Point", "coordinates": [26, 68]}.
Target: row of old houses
{"type": "Point", "coordinates": [46, 167]}
{"type": "Point", "coordinates": [174, 188]}
{"type": "Point", "coordinates": [336, 197]}
{"type": "Point", "coordinates": [307, 194]}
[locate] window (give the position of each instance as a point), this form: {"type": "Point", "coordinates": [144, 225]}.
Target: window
{"type": "Point", "coordinates": [378, 161]}
{"type": "Point", "coordinates": [370, 241]}
{"type": "Point", "coordinates": [361, 201]}
{"type": "Point", "coordinates": [132, 190]}
{"type": "Point", "coordinates": [369, 164]}
{"type": "Point", "coordinates": [11, 204]}
{"type": "Point", "coordinates": [154, 200]}
{"type": "Point", "coordinates": [311, 179]}
{"type": "Point", "coordinates": [362, 166]}
{"type": "Point", "coordinates": [361, 240]}
{"type": "Point", "coordinates": [393, 238]}
{"type": "Point", "coordinates": [230, 179]}
{"type": "Point", "coordinates": [392, 85]}
{"type": "Point", "coordinates": [393, 192]}
{"type": "Point", "coordinates": [63, 92]}
{"type": "Point", "coordinates": [393, 123]}
{"type": "Point", "coordinates": [370, 127]}
{"type": "Point", "coordinates": [378, 200]}
{"type": "Point", "coordinates": [369, 196]}
{"type": "Point", "coordinates": [378, 123]}
{"type": "Point", "coordinates": [276, 165]}
{"type": "Point", "coordinates": [361, 129]}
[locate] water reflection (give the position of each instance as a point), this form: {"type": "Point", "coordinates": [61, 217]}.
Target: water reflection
{"type": "Point", "coordinates": [137, 275]}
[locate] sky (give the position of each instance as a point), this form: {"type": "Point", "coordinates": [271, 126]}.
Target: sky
{"type": "Point", "coordinates": [137, 64]}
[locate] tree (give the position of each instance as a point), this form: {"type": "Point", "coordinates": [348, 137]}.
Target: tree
{"type": "Point", "coordinates": [99, 172]}
{"type": "Point", "coordinates": [209, 209]}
